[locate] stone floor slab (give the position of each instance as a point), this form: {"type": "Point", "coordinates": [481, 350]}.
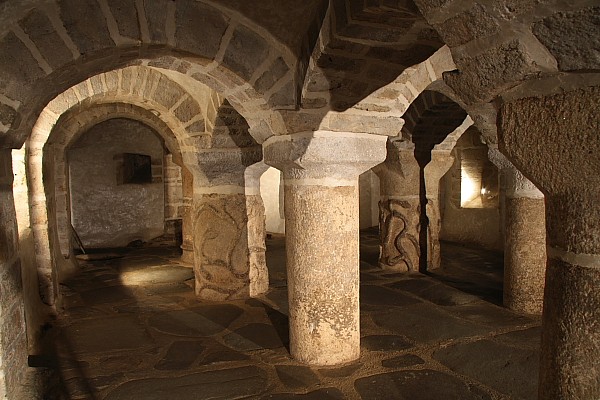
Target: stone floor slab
{"type": "Point", "coordinates": [417, 385]}
{"type": "Point", "coordinates": [510, 370]}
{"type": "Point", "coordinates": [228, 384]}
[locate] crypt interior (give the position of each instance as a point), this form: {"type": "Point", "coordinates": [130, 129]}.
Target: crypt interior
{"type": "Point", "coordinates": [279, 199]}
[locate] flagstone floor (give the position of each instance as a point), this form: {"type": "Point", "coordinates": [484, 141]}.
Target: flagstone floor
{"type": "Point", "coordinates": [132, 329]}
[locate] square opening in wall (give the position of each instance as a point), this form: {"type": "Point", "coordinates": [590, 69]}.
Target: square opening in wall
{"type": "Point", "coordinates": [137, 168]}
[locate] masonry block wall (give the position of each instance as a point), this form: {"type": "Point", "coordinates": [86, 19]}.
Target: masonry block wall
{"type": "Point", "coordinates": [106, 211]}
{"type": "Point", "coordinates": [479, 225]}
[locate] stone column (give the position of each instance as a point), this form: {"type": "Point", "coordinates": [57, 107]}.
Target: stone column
{"type": "Point", "coordinates": [441, 161]}
{"type": "Point", "coordinates": [228, 226]}
{"type": "Point", "coordinates": [554, 140]}
{"type": "Point", "coordinates": [399, 208]}
{"type": "Point", "coordinates": [524, 238]}
{"type": "Point", "coordinates": [321, 172]}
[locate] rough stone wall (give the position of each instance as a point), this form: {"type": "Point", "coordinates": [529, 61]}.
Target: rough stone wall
{"type": "Point", "coordinates": [13, 341]}
{"type": "Point", "coordinates": [479, 226]}
{"type": "Point", "coordinates": [105, 213]}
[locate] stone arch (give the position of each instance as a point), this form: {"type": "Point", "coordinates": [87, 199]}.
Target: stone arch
{"type": "Point", "coordinates": [88, 38]}
{"type": "Point", "coordinates": [173, 112]}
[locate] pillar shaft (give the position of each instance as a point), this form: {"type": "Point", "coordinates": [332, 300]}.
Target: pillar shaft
{"type": "Point", "coordinates": [524, 239]}
{"type": "Point", "coordinates": [571, 320]}
{"type": "Point", "coordinates": [399, 208]}
{"type": "Point", "coordinates": [322, 239]}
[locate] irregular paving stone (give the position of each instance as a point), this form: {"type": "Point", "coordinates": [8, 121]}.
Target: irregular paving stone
{"type": "Point", "coordinates": [200, 321]}
{"type": "Point", "coordinates": [180, 356]}
{"type": "Point", "coordinates": [222, 384]}
{"type": "Point", "coordinates": [425, 323]}
{"type": "Point", "coordinates": [434, 291]}
{"type": "Point", "coordinates": [489, 314]}
{"type": "Point", "coordinates": [385, 343]}
{"type": "Point", "coordinates": [253, 337]}
{"type": "Point", "coordinates": [321, 394]}
{"type": "Point", "coordinates": [510, 370]}
{"type": "Point", "coordinates": [416, 385]}
{"type": "Point", "coordinates": [527, 338]}
{"type": "Point", "coordinates": [340, 372]}
{"type": "Point", "coordinates": [381, 296]}
{"type": "Point", "coordinates": [406, 360]}
{"type": "Point", "coordinates": [110, 294]}
{"type": "Point", "coordinates": [294, 376]}
{"type": "Point", "coordinates": [161, 274]}
{"type": "Point", "coordinates": [105, 334]}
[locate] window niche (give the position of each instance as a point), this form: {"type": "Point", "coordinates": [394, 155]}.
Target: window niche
{"type": "Point", "coordinates": [479, 185]}
{"type": "Point", "coordinates": [135, 169]}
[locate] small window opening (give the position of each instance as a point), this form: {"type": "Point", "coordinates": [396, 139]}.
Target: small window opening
{"type": "Point", "coordinates": [137, 168]}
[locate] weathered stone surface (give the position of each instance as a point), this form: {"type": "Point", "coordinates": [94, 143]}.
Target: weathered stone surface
{"type": "Point", "coordinates": [17, 66]}
{"type": "Point", "coordinates": [562, 32]}
{"type": "Point", "coordinates": [403, 361]}
{"type": "Point", "coordinates": [226, 264]}
{"type": "Point", "coordinates": [481, 78]}
{"type": "Point", "coordinates": [570, 336]}
{"type": "Point", "coordinates": [399, 227]}
{"type": "Point", "coordinates": [321, 394]}
{"type": "Point", "coordinates": [492, 363]}
{"type": "Point", "coordinates": [187, 110]}
{"type": "Point", "coordinates": [381, 296]}
{"type": "Point", "coordinates": [86, 24]}
{"type": "Point", "coordinates": [464, 27]}
{"type": "Point", "coordinates": [125, 14]}
{"type": "Point", "coordinates": [253, 337]}
{"type": "Point", "coordinates": [198, 20]}
{"type": "Point", "coordinates": [40, 30]}
{"type": "Point", "coordinates": [202, 321]}
{"type": "Point", "coordinates": [566, 142]}
{"type": "Point", "coordinates": [222, 384]}
{"type": "Point", "coordinates": [7, 114]}
{"type": "Point", "coordinates": [180, 356]}
{"type": "Point", "coordinates": [410, 384]}
{"type": "Point", "coordinates": [119, 332]}
{"type": "Point", "coordinates": [423, 323]}
{"type": "Point", "coordinates": [293, 376]}
{"type": "Point", "coordinates": [245, 52]}
{"type": "Point", "coordinates": [273, 74]}
{"type": "Point", "coordinates": [525, 254]}
{"type": "Point", "coordinates": [156, 15]}
{"type": "Point", "coordinates": [107, 295]}
{"type": "Point", "coordinates": [344, 371]}
{"type": "Point", "coordinates": [385, 343]}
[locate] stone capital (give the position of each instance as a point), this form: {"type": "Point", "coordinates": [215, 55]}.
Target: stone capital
{"type": "Point", "coordinates": [221, 168]}
{"type": "Point", "coordinates": [516, 184]}
{"type": "Point", "coordinates": [324, 158]}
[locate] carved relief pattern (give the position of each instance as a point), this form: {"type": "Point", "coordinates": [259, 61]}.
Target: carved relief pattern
{"type": "Point", "coordinates": [399, 230]}
{"type": "Point", "coordinates": [228, 265]}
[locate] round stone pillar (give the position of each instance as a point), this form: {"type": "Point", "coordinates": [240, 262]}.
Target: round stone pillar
{"type": "Point", "coordinates": [321, 172]}
{"type": "Point", "coordinates": [399, 208]}
{"type": "Point", "coordinates": [554, 140]}
{"type": "Point", "coordinates": [524, 239]}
